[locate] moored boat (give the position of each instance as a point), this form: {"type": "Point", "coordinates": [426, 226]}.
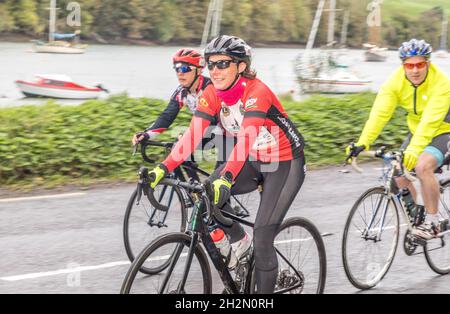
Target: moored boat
{"type": "Point", "coordinates": [58, 86]}
{"type": "Point", "coordinates": [341, 82]}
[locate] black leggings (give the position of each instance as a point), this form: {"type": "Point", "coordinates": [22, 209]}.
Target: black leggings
{"type": "Point", "coordinates": [281, 183]}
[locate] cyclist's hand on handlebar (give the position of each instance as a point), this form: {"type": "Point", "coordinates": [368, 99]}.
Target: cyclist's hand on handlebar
{"type": "Point", "coordinates": [410, 160]}
{"type": "Point", "coordinates": [353, 150]}
{"type": "Point", "coordinates": [140, 136]}
{"type": "Point", "coordinates": [222, 191]}
{"type": "Point", "coordinates": [157, 174]}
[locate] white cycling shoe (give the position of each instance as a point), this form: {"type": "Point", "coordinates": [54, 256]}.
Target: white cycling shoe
{"type": "Point", "coordinates": [426, 231]}
{"type": "Point", "coordinates": [241, 247]}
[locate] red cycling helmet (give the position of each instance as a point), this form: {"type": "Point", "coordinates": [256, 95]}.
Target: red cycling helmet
{"type": "Point", "coordinates": [189, 56]}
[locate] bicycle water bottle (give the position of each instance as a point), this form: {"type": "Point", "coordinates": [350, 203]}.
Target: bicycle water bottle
{"type": "Point", "coordinates": [221, 242]}
{"type": "Point", "coordinates": [410, 205]}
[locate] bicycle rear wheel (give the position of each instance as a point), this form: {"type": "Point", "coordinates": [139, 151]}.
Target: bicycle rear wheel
{"type": "Point", "coordinates": [437, 251]}
{"type": "Point", "coordinates": [302, 261]}
{"type": "Point", "coordinates": [143, 223]}
{"type": "Point", "coordinates": [370, 238]}
{"type": "Point", "coordinates": [173, 248]}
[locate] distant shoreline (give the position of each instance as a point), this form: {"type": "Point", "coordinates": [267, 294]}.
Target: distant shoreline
{"type": "Point", "coordinates": [22, 38]}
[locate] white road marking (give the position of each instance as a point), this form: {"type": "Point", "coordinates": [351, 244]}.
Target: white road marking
{"type": "Point", "coordinates": [62, 271]}
{"type": "Point", "coordinates": [77, 269]}
{"type": "Point", "coordinates": [32, 198]}
{"type": "Point", "coordinates": [113, 264]}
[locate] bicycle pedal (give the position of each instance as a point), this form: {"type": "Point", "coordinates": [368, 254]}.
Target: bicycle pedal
{"type": "Point", "coordinates": [419, 241]}
{"type": "Point", "coordinates": [243, 215]}
{"type": "Point", "coordinates": [240, 212]}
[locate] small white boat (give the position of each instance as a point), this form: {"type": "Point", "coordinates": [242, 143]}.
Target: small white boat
{"type": "Point", "coordinates": [441, 53]}
{"type": "Point", "coordinates": [340, 82]}
{"type": "Point", "coordinates": [375, 53]}
{"type": "Point", "coordinates": [61, 47]}
{"type": "Point", "coordinates": [57, 42]}
{"type": "Point", "coordinates": [58, 86]}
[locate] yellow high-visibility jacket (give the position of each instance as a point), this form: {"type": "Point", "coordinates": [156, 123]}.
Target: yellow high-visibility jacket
{"type": "Point", "coordinates": [427, 106]}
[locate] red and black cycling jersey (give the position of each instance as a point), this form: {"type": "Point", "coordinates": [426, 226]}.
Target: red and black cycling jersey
{"type": "Point", "coordinates": [262, 127]}
{"type": "Point", "coordinates": [180, 98]}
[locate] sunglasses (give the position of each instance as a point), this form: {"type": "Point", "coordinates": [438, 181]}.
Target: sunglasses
{"type": "Point", "coordinates": [182, 68]}
{"type": "Point", "coordinates": [221, 64]}
{"type": "Point", "coordinates": [419, 65]}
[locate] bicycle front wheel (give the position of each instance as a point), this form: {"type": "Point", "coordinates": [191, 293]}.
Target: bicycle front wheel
{"type": "Point", "coordinates": [302, 261]}
{"type": "Point", "coordinates": [370, 238]}
{"type": "Point", "coordinates": [437, 251]}
{"type": "Point", "coordinates": [174, 249]}
{"type": "Point", "coordinates": [143, 223]}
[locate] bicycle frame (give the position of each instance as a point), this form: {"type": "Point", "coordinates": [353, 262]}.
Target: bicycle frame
{"type": "Point", "coordinates": [394, 195]}
{"type": "Point", "coordinates": [198, 228]}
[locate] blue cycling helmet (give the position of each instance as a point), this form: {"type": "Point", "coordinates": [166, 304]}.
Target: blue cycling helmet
{"type": "Point", "coordinates": [415, 48]}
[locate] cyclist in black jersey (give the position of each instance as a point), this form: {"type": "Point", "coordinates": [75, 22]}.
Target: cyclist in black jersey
{"type": "Point", "coordinates": [188, 64]}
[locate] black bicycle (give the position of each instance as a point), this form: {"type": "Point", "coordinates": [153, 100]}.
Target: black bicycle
{"type": "Point", "coordinates": [183, 262]}
{"type": "Point", "coordinates": [144, 222]}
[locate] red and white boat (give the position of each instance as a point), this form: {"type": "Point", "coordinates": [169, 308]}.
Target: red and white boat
{"type": "Point", "coordinates": [58, 86]}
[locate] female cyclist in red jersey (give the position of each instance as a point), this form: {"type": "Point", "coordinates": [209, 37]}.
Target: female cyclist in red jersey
{"type": "Point", "coordinates": [269, 150]}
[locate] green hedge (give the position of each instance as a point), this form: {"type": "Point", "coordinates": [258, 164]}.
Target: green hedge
{"type": "Point", "coordinates": [54, 144]}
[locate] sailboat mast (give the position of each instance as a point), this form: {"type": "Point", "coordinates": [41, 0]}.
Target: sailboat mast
{"type": "Point", "coordinates": [374, 22]}
{"type": "Point", "coordinates": [331, 22]}
{"type": "Point", "coordinates": [315, 26]}
{"type": "Point", "coordinates": [215, 31]}
{"type": "Point", "coordinates": [344, 32]}
{"type": "Point", "coordinates": [213, 19]}
{"type": "Point", "coordinates": [444, 32]}
{"type": "Point", "coordinates": [52, 26]}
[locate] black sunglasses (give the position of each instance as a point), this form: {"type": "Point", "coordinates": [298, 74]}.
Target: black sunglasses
{"type": "Point", "coordinates": [221, 64]}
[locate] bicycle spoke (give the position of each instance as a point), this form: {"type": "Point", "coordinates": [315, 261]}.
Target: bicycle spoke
{"type": "Point", "coordinates": [367, 258]}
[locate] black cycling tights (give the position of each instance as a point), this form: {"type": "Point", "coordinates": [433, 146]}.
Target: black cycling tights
{"type": "Point", "coordinates": [281, 183]}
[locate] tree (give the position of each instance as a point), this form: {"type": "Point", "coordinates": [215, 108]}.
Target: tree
{"type": "Point", "coordinates": [25, 15]}
{"type": "Point", "coordinates": [6, 20]}
{"type": "Point", "coordinates": [233, 25]}
{"type": "Point", "coordinates": [428, 26]}
{"type": "Point", "coordinates": [262, 21]}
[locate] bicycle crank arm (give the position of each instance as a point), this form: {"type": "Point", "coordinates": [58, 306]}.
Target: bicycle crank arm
{"type": "Point", "coordinates": [440, 235]}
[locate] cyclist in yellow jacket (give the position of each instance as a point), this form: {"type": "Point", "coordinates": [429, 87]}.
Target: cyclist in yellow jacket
{"type": "Point", "coordinates": [424, 92]}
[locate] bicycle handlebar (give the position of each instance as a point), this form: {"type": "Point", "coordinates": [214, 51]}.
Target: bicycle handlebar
{"type": "Point", "coordinates": [146, 143]}
{"type": "Point", "coordinates": [191, 187]}
{"type": "Point", "coordinates": [396, 156]}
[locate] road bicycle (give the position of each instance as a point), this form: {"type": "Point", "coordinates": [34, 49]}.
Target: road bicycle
{"type": "Point", "coordinates": [182, 257]}
{"type": "Point", "coordinates": [372, 230]}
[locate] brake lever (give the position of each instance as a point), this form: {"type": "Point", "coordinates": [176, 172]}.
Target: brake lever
{"type": "Point", "coordinates": [139, 193]}
{"type": "Point", "coordinates": [346, 162]}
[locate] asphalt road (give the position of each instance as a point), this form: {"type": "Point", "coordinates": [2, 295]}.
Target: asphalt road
{"type": "Point", "coordinates": [72, 243]}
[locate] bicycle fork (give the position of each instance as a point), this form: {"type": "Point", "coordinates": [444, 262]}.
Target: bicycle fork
{"type": "Point", "coordinates": [376, 237]}
{"type": "Point", "coordinates": [143, 188]}
{"type": "Point", "coordinates": [196, 215]}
